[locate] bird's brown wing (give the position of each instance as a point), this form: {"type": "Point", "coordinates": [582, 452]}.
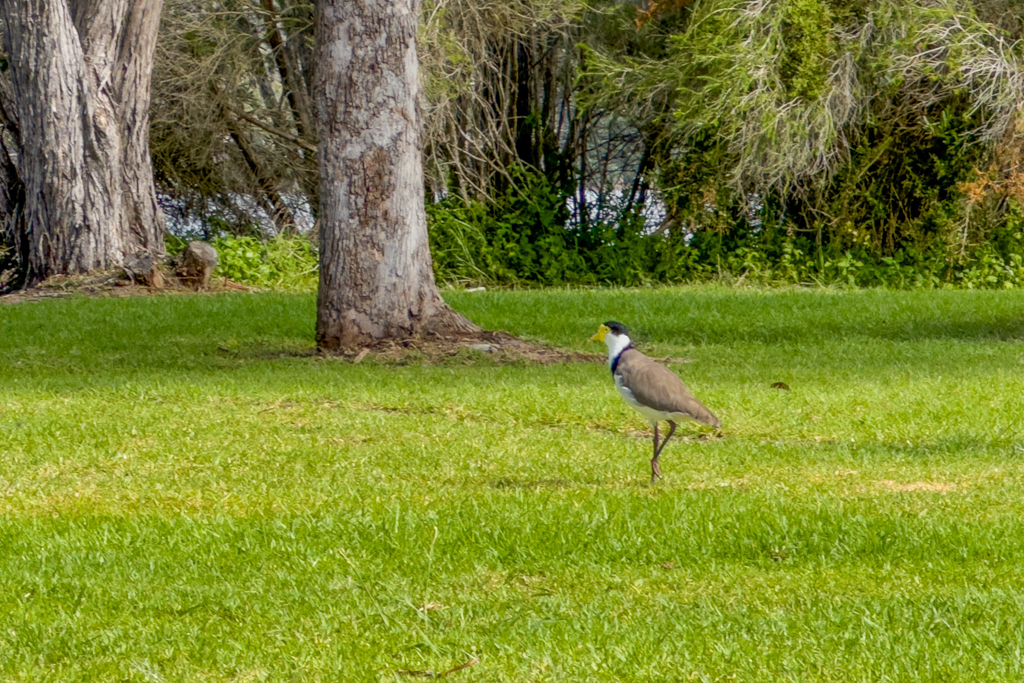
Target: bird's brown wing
{"type": "Point", "coordinates": [657, 387]}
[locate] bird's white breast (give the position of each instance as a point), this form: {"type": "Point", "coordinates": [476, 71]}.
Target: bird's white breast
{"type": "Point", "coordinates": [653, 416]}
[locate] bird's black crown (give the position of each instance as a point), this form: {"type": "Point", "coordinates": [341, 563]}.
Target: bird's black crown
{"type": "Point", "coordinates": [616, 328]}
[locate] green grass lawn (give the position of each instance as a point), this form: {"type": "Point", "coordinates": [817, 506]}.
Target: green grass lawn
{"type": "Point", "coordinates": [187, 495]}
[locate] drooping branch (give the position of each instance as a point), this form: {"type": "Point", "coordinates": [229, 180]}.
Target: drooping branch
{"type": "Point", "coordinates": [295, 90]}
{"type": "Point", "coordinates": [301, 142]}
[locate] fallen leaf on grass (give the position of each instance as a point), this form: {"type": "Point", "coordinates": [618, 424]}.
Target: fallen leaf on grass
{"type": "Point", "coordinates": [430, 607]}
{"type": "Point", "coordinates": [427, 673]}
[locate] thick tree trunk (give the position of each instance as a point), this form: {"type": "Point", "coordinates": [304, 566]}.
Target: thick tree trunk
{"type": "Point", "coordinates": [143, 217]}
{"type": "Point", "coordinates": [376, 279]}
{"type": "Point", "coordinates": [80, 73]}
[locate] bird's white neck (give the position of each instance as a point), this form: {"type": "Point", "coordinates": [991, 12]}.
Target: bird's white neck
{"type": "Point", "coordinates": [617, 343]}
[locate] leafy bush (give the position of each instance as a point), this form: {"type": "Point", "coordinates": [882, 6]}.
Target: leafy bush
{"type": "Point", "coordinates": [522, 240]}
{"type": "Point", "coordinates": [472, 245]}
{"type": "Point", "coordinates": [520, 237]}
{"type": "Point", "coordinates": [283, 262]}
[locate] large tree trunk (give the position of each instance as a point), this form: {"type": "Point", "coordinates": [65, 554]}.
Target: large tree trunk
{"type": "Point", "coordinates": [376, 279]}
{"type": "Point", "coordinates": [80, 72]}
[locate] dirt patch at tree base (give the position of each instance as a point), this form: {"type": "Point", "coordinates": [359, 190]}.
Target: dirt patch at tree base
{"type": "Point", "coordinates": [114, 283]}
{"type": "Point", "coordinates": [499, 347]}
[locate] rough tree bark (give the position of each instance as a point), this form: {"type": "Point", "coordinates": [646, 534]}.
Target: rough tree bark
{"type": "Point", "coordinates": [80, 84]}
{"type": "Point", "coordinates": [376, 279]}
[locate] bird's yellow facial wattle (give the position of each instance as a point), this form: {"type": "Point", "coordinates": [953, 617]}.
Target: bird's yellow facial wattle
{"type": "Point", "coordinates": [600, 334]}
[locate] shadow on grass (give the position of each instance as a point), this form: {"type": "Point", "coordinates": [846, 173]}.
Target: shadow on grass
{"type": "Point", "coordinates": [946, 449]}
{"type": "Point", "coordinates": [510, 483]}
{"type": "Point", "coordinates": [260, 352]}
{"type": "Point", "coordinates": [727, 316]}
{"type": "Point", "coordinates": [956, 446]}
{"type": "Point", "coordinates": [184, 334]}
{"type": "Point", "coordinates": [977, 327]}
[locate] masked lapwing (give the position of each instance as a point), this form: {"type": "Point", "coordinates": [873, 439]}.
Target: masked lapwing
{"type": "Point", "coordinates": [651, 389]}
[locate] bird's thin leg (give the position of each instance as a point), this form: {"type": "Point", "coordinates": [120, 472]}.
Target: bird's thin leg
{"type": "Point", "coordinates": [655, 468]}
{"type": "Point", "coordinates": [671, 431]}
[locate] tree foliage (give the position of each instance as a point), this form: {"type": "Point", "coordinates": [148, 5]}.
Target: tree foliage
{"type": "Point", "coordinates": [856, 122]}
{"type": "Point", "coordinates": [633, 140]}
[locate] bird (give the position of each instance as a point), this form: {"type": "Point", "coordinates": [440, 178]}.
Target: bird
{"type": "Point", "coordinates": [650, 388]}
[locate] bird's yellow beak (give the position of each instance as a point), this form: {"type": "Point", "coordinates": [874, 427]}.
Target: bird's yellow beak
{"type": "Point", "coordinates": [601, 332]}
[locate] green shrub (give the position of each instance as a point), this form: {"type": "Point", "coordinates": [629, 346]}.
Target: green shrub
{"type": "Point", "coordinates": [518, 238]}
{"type": "Point", "coordinates": [521, 240]}
{"type": "Point", "coordinates": [284, 262]}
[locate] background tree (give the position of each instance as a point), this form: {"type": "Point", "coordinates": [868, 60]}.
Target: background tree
{"type": "Point", "coordinates": [857, 124]}
{"type": "Point", "coordinates": [76, 113]}
{"type": "Point", "coordinates": [233, 132]}
{"type": "Point", "coordinates": [501, 109]}
{"type": "Point", "coordinates": [376, 279]}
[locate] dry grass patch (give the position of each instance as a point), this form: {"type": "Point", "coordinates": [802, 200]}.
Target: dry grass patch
{"type": "Point", "coordinates": [917, 486]}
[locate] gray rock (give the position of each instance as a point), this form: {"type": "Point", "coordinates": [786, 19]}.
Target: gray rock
{"type": "Point", "coordinates": [198, 263]}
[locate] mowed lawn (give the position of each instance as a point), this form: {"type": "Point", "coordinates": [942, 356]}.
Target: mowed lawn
{"type": "Point", "coordinates": [186, 494]}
